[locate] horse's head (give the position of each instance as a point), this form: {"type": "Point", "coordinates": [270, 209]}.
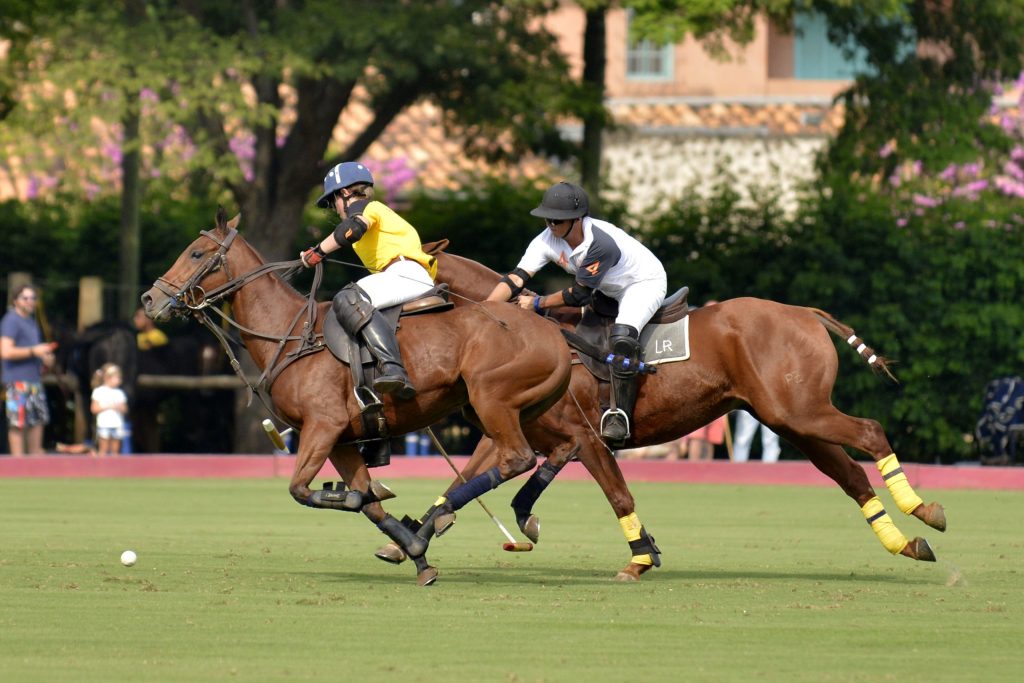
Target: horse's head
{"type": "Point", "coordinates": [202, 267]}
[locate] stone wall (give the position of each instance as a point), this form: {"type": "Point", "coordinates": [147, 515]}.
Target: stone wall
{"type": "Point", "coordinates": [657, 167]}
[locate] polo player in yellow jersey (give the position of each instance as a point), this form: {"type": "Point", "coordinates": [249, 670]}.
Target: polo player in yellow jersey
{"type": "Point", "coordinates": [391, 250]}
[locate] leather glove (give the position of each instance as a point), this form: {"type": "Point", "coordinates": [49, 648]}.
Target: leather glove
{"type": "Point", "coordinates": [312, 256]}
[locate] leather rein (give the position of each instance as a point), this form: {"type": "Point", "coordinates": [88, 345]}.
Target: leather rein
{"type": "Point", "coordinates": [192, 300]}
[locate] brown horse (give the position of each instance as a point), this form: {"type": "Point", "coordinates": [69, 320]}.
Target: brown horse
{"type": "Point", "coordinates": [471, 355]}
{"type": "Point", "coordinates": [774, 359]}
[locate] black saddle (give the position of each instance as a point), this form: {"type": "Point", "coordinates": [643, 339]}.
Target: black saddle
{"type": "Point", "coordinates": [344, 347]}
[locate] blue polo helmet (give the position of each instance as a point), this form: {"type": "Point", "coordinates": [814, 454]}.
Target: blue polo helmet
{"type": "Point", "coordinates": [343, 175]}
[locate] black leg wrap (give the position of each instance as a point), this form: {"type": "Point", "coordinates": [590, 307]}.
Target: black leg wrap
{"type": "Point", "coordinates": [412, 524]}
{"type": "Point", "coordinates": [349, 501]}
{"type": "Point", "coordinates": [645, 545]}
{"type": "Point", "coordinates": [527, 496]}
{"type": "Point", "coordinates": [426, 529]}
{"type": "Point", "coordinates": [413, 545]}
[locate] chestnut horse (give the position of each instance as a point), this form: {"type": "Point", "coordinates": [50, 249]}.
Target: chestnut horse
{"type": "Point", "coordinates": [774, 359]}
{"type": "Point", "coordinates": [463, 356]}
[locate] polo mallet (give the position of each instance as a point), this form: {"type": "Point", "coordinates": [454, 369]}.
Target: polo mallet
{"type": "Point", "coordinates": [276, 437]}
{"type": "Point", "coordinates": [513, 546]}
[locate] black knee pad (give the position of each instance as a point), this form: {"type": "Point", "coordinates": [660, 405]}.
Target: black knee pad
{"type": "Point", "coordinates": [352, 308]}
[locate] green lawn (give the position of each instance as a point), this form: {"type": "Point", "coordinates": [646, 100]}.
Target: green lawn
{"type": "Point", "coordinates": [237, 582]}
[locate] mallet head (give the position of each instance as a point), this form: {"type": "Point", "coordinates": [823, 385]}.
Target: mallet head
{"type": "Point", "coordinates": [517, 547]}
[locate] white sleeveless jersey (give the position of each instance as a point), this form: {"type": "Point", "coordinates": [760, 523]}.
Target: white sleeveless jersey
{"type": "Point", "coordinates": [608, 259]}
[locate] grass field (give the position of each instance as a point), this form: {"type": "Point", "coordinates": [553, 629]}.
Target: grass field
{"type": "Point", "coordinates": [237, 582]}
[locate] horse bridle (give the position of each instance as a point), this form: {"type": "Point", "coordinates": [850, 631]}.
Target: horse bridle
{"type": "Point", "coordinates": [191, 295]}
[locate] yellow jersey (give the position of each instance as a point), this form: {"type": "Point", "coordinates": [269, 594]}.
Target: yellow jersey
{"type": "Point", "coordinates": [151, 339]}
{"type": "Point", "coordinates": [387, 237]}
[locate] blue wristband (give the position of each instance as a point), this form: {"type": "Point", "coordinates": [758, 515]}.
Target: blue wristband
{"type": "Point", "coordinates": [536, 304]}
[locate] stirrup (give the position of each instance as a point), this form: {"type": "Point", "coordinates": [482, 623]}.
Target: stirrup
{"type": "Point", "coordinates": [368, 401]}
{"type": "Point", "coordinates": [608, 414]}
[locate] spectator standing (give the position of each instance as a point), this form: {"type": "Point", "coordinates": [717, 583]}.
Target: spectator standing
{"type": "Point", "coordinates": [24, 355]}
{"type": "Point", "coordinates": [700, 444]}
{"type": "Point", "coordinates": [148, 335]}
{"type": "Point", "coordinates": [746, 427]}
{"type": "Point", "coordinates": [109, 405]}
{"type": "Point", "coordinates": [154, 351]}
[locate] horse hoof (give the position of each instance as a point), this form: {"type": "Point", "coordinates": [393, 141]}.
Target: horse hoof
{"type": "Point", "coordinates": [627, 575]}
{"type": "Point", "coordinates": [531, 527]}
{"type": "Point", "coordinates": [443, 522]}
{"type": "Point", "coordinates": [427, 577]}
{"type": "Point", "coordinates": [933, 515]}
{"type": "Point", "coordinates": [632, 572]}
{"type": "Point", "coordinates": [381, 490]}
{"type": "Point", "coordinates": [918, 549]}
{"type": "Point", "coordinates": [390, 552]}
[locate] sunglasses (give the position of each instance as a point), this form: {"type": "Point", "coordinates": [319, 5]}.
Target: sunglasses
{"type": "Point", "coordinates": [553, 222]}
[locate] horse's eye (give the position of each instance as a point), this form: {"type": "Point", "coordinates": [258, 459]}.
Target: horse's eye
{"type": "Point", "coordinates": [197, 254]}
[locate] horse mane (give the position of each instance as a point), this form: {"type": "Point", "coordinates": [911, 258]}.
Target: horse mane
{"type": "Point", "coordinates": [564, 315]}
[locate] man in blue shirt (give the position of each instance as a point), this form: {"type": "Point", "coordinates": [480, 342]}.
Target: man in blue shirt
{"type": "Point", "coordinates": [23, 356]}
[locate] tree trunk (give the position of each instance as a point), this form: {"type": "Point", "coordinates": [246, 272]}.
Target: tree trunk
{"type": "Point", "coordinates": [594, 58]}
{"type": "Point", "coordinates": [131, 194]}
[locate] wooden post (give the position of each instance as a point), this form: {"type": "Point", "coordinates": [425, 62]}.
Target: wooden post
{"type": "Point", "coordinates": [90, 311]}
{"type": "Point", "coordinates": [90, 301]}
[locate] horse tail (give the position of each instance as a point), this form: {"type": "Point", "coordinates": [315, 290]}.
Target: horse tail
{"type": "Point", "coordinates": [876, 362]}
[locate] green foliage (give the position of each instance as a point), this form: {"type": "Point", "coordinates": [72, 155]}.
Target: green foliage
{"type": "Point", "coordinates": [715, 244]}
{"type": "Point", "coordinates": [941, 301]}
{"type": "Point", "coordinates": [59, 243]}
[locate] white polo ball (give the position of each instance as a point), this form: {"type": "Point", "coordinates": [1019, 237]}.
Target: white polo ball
{"type": "Point", "coordinates": [128, 558]}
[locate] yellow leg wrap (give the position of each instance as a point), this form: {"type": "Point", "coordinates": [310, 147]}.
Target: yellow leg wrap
{"type": "Point", "coordinates": [906, 498]}
{"type": "Point", "coordinates": [631, 527]}
{"type": "Point", "coordinates": [881, 523]}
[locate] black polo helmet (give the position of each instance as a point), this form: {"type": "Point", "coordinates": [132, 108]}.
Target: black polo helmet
{"type": "Point", "coordinates": [563, 201]}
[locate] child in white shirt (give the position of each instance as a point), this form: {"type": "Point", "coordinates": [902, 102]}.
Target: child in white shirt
{"type": "Point", "coordinates": [109, 405]}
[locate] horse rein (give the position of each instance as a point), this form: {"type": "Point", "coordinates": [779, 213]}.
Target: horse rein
{"type": "Point", "coordinates": [192, 300]}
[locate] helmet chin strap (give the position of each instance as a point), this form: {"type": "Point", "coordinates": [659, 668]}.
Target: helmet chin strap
{"type": "Point", "coordinates": [572, 224]}
{"type": "Point", "coordinates": [345, 199]}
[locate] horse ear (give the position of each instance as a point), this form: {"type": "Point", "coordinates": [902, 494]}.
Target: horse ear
{"type": "Point", "coordinates": [233, 223]}
{"type": "Point", "coordinates": [435, 247]}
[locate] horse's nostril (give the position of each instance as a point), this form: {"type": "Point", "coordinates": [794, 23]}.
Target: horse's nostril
{"type": "Point", "coordinates": [147, 301]}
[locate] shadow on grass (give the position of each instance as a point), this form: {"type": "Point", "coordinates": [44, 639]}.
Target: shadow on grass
{"type": "Point", "coordinates": [533, 575]}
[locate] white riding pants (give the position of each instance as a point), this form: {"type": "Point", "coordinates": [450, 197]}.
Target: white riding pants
{"type": "Point", "coordinates": [404, 280]}
{"type": "Point", "coordinates": [639, 301]}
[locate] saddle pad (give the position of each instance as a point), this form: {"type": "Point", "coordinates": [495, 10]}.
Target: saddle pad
{"type": "Point", "coordinates": [660, 343]}
{"type": "Point", "coordinates": [665, 343]}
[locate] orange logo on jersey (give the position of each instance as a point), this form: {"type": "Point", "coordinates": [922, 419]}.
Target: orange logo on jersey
{"type": "Point", "coordinates": [593, 267]}
{"type": "Point", "coordinates": [562, 260]}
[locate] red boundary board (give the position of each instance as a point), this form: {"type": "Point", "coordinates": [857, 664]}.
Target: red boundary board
{"type": "Point", "coordinates": [715, 472]}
